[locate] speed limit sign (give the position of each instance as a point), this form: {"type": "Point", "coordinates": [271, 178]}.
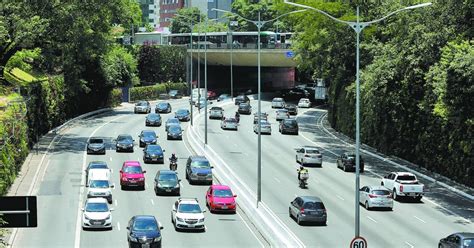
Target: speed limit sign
{"type": "Point", "coordinates": [358, 242]}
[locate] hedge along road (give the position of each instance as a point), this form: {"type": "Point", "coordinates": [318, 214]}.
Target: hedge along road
{"type": "Point", "coordinates": [58, 192]}
{"type": "Point", "coordinates": [410, 224]}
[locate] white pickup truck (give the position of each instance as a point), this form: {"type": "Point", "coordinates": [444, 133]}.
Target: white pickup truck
{"type": "Point", "coordinates": [403, 184]}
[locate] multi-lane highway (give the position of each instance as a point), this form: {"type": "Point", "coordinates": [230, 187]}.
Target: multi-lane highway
{"type": "Point", "coordinates": [61, 192]}
{"type": "Point", "coordinates": [408, 225]}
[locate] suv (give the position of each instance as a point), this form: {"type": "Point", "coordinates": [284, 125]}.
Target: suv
{"type": "Point", "coordinates": [99, 184]}
{"type": "Point", "coordinates": [144, 231]}
{"type": "Point", "coordinates": [309, 155]}
{"type": "Point", "coordinates": [278, 102]}
{"type": "Point", "coordinates": [289, 126]}
{"type": "Point", "coordinates": [241, 99]}
{"type": "Point", "coordinates": [187, 214]}
{"type": "Point", "coordinates": [347, 162]}
{"type": "Point", "coordinates": [198, 169]}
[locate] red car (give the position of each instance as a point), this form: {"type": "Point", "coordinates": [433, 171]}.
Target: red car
{"type": "Point", "coordinates": [132, 174]}
{"type": "Point", "coordinates": [211, 95]}
{"type": "Point", "coordinates": [220, 198]}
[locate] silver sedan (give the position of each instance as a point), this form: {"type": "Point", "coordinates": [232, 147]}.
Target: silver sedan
{"type": "Point", "coordinates": [375, 197]}
{"type": "Point", "coordinates": [282, 114]}
{"type": "Point", "coordinates": [265, 127]}
{"type": "Point", "coordinates": [229, 123]}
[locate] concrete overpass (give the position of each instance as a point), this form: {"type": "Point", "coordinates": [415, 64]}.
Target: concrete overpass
{"type": "Point", "coordinates": [246, 57]}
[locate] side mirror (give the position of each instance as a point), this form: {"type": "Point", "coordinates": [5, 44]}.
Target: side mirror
{"type": "Point", "coordinates": [212, 167]}
{"type": "Point", "coordinates": [128, 228]}
{"type": "Point", "coordinates": [204, 211]}
{"type": "Point", "coordinates": [121, 171]}
{"type": "Point", "coordinates": [235, 195]}
{"type": "Point", "coordinates": [144, 171]}
{"type": "Point", "coordinates": [112, 186]}
{"type": "Point", "coordinates": [161, 227]}
{"type": "Point", "coordinates": [174, 210]}
{"type": "Point", "coordinates": [87, 186]}
{"type": "Point", "coordinates": [164, 150]}
{"type": "Point", "coordinates": [179, 180]}
{"type": "Point", "coordinates": [385, 177]}
{"type": "Point", "coordinates": [112, 209]}
{"type": "Point", "coordinates": [82, 209]}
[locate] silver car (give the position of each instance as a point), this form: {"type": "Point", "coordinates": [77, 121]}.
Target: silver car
{"type": "Point", "coordinates": [309, 155]}
{"type": "Point", "coordinates": [142, 107]}
{"type": "Point", "coordinates": [375, 197]}
{"type": "Point", "coordinates": [278, 102]}
{"type": "Point", "coordinates": [308, 209]}
{"type": "Point", "coordinates": [282, 114]}
{"type": "Point", "coordinates": [265, 127]}
{"type": "Point", "coordinates": [229, 123]}
{"type": "Point", "coordinates": [216, 113]}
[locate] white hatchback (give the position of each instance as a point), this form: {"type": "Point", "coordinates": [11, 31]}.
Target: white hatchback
{"type": "Point", "coordinates": [96, 214]}
{"type": "Point", "coordinates": [375, 197]}
{"type": "Point", "coordinates": [309, 155]}
{"type": "Point", "coordinates": [187, 214]}
{"type": "Point", "coordinates": [278, 102]}
{"type": "Point", "coordinates": [304, 103]}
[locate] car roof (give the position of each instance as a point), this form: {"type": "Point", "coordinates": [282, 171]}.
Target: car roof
{"type": "Point", "coordinates": [377, 187]}
{"type": "Point", "coordinates": [154, 114]}
{"type": "Point", "coordinates": [172, 119]}
{"type": "Point", "coordinates": [304, 99]}
{"type": "Point", "coordinates": [198, 158]}
{"type": "Point", "coordinates": [132, 163]}
{"type": "Point", "coordinates": [144, 217]}
{"type": "Point", "coordinates": [311, 148]}
{"type": "Point", "coordinates": [404, 173]}
{"type": "Point", "coordinates": [182, 110]}
{"type": "Point", "coordinates": [96, 200]}
{"type": "Point", "coordinates": [188, 200]}
{"type": "Point", "coordinates": [216, 108]}
{"type": "Point", "coordinates": [218, 186]}
{"type": "Point", "coordinates": [148, 131]}
{"type": "Point", "coordinates": [160, 103]}
{"type": "Point", "coordinates": [169, 172]}
{"type": "Point", "coordinates": [98, 162]}
{"type": "Point", "coordinates": [96, 138]}
{"type": "Point", "coordinates": [311, 199]}
{"type": "Point", "coordinates": [282, 110]}
{"type": "Point", "coordinates": [124, 135]}
{"type": "Point", "coordinates": [153, 145]}
{"type": "Point", "coordinates": [465, 235]}
{"type": "Point", "coordinates": [277, 99]}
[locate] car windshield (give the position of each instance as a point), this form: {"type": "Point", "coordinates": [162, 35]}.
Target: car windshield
{"type": "Point", "coordinates": [163, 105]}
{"type": "Point", "coordinates": [189, 208]}
{"type": "Point", "coordinates": [99, 184]}
{"type": "Point", "coordinates": [124, 138]}
{"type": "Point", "coordinates": [468, 243]}
{"type": "Point", "coordinates": [142, 104]}
{"type": "Point", "coordinates": [264, 122]}
{"type": "Point", "coordinates": [406, 178]}
{"type": "Point", "coordinates": [231, 120]}
{"type": "Point", "coordinates": [153, 116]}
{"type": "Point", "coordinates": [173, 121]}
{"type": "Point", "coordinates": [201, 164]}
{"type": "Point", "coordinates": [175, 129]}
{"type": "Point", "coordinates": [98, 166]}
{"type": "Point", "coordinates": [182, 112]}
{"type": "Point", "coordinates": [244, 105]}
{"type": "Point", "coordinates": [278, 100]}
{"type": "Point", "coordinates": [153, 148]}
{"type": "Point", "coordinates": [312, 151]}
{"type": "Point", "coordinates": [290, 123]}
{"type": "Point", "coordinates": [313, 205]}
{"type": "Point", "coordinates": [380, 192]}
{"type": "Point", "coordinates": [145, 225]}
{"type": "Point", "coordinates": [96, 141]}
{"type": "Point", "coordinates": [97, 207]}
{"type": "Point", "coordinates": [133, 169]}
{"type": "Point", "coordinates": [173, 92]}
{"type": "Point", "coordinates": [216, 108]}
{"type": "Point", "coordinates": [149, 134]}
{"type": "Point", "coordinates": [167, 177]}
{"type": "Point", "coordinates": [282, 111]}
{"type": "Point", "coordinates": [223, 193]}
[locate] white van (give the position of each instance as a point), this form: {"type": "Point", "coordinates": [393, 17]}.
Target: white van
{"type": "Point", "coordinates": [99, 184]}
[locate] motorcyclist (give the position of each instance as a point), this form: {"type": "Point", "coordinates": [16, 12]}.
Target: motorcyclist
{"type": "Point", "coordinates": [302, 170]}
{"type": "Point", "coordinates": [237, 116]}
{"type": "Point", "coordinates": [173, 158]}
{"type": "Point", "coordinates": [173, 162]}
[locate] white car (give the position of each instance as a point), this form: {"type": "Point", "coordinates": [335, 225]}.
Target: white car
{"type": "Point", "coordinates": [187, 214]}
{"type": "Point", "coordinates": [96, 214]}
{"type": "Point", "coordinates": [229, 123]}
{"type": "Point", "coordinates": [265, 127]}
{"type": "Point", "coordinates": [403, 184]}
{"type": "Point", "coordinates": [278, 102]}
{"type": "Point", "coordinates": [216, 113]}
{"type": "Point", "coordinates": [99, 184]}
{"type": "Point", "coordinates": [282, 114]}
{"type": "Point", "coordinates": [375, 197]}
{"type": "Point", "coordinates": [304, 103]}
{"type": "Point", "coordinates": [309, 155]}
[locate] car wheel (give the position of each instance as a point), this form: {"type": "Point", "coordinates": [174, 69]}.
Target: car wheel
{"type": "Point", "coordinates": [381, 183]}
{"type": "Point", "coordinates": [366, 205]}
{"type": "Point", "coordinates": [122, 187]}
{"type": "Point", "coordinates": [418, 198]}
{"type": "Point", "coordinates": [187, 176]}
{"type": "Point", "coordinates": [289, 213]}
{"type": "Point", "coordinates": [344, 168]}
{"type": "Point", "coordinates": [296, 157]}
{"type": "Point", "coordinates": [156, 192]}
{"type": "Point", "coordinates": [302, 162]}
{"type": "Point", "coordinates": [298, 220]}
{"type": "Point", "coordinates": [143, 187]}
{"type": "Point", "coordinates": [394, 195]}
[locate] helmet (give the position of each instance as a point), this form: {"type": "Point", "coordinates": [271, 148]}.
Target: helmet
{"type": "Point", "coordinates": [173, 155]}
{"type": "Point", "coordinates": [301, 167]}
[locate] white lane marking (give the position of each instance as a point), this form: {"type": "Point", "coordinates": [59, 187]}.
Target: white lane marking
{"type": "Point", "coordinates": [138, 158]}
{"type": "Point", "coordinates": [152, 202]}
{"type": "Point", "coordinates": [340, 197]}
{"type": "Point", "coordinates": [181, 185]}
{"type": "Point", "coordinates": [110, 159]}
{"type": "Point", "coordinates": [77, 236]}
{"type": "Point", "coordinates": [411, 246]}
{"type": "Point", "coordinates": [419, 219]}
{"type": "Point", "coordinates": [118, 225]}
{"type": "Point", "coordinates": [45, 169]}
{"type": "Point", "coordinates": [146, 185]}
{"type": "Point", "coordinates": [251, 231]}
{"type": "Point", "coordinates": [296, 195]}
{"type": "Point", "coordinates": [370, 218]}
{"type": "Point", "coordinates": [111, 171]}
{"type": "Point", "coordinates": [447, 210]}
{"type": "Point", "coordinates": [276, 179]}
{"type": "Point", "coordinates": [116, 203]}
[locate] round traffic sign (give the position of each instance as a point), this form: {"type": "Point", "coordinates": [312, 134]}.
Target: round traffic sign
{"type": "Point", "coordinates": [358, 242]}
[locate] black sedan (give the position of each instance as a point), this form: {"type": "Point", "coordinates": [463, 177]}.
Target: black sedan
{"type": "Point", "coordinates": [241, 99]}
{"type": "Point", "coordinates": [458, 240]}
{"type": "Point", "coordinates": [153, 119]}
{"type": "Point", "coordinates": [292, 108]}
{"type": "Point", "coordinates": [183, 115]}
{"type": "Point", "coordinates": [245, 108]}
{"type": "Point", "coordinates": [163, 107]}
{"type": "Point", "coordinates": [289, 126]}
{"type": "Point", "coordinates": [153, 153]}
{"type": "Point", "coordinates": [147, 137]}
{"type": "Point", "coordinates": [144, 230]}
{"type": "Point", "coordinates": [175, 132]}
{"type": "Point", "coordinates": [95, 146]}
{"type": "Point", "coordinates": [167, 182]}
{"type": "Point", "coordinates": [124, 142]}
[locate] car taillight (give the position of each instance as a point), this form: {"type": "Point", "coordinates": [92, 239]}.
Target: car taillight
{"type": "Point", "coordinates": [401, 188]}
{"type": "Point", "coordinates": [302, 210]}
{"type": "Point", "coordinates": [319, 155]}
{"type": "Point", "coordinates": [372, 196]}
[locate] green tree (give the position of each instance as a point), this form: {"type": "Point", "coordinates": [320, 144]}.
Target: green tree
{"type": "Point", "coordinates": [119, 67]}
{"type": "Point", "coordinates": [187, 16]}
{"type": "Point", "coordinates": [149, 60]}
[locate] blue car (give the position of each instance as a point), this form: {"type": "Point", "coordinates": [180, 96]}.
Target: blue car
{"type": "Point", "coordinates": [147, 137]}
{"type": "Point", "coordinates": [182, 115]}
{"type": "Point", "coordinates": [144, 230]}
{"type": "Point", "coordinates": [198, 170]}
{"type": "Point", "coordinates": [153, 153]}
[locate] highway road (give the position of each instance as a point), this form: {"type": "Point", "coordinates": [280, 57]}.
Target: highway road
{"type": "Point", "coordinates": [61, 192]}
{"type": "Point", "coordinates": [408, 225]}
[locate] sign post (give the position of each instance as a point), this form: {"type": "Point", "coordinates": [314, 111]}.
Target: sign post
{"type": "Point", "coordinates": [358, 242]}
{"type": "Point", "coordinates": [18, 211]}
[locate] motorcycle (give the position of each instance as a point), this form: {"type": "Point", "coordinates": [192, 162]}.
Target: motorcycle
{"type": "Point", "coordinates": [303, 180]}
{"type": "Point", "coordinates": [173, 165]}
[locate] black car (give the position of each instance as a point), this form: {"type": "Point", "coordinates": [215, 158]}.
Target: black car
{"type": "Point", "coordinates": [95, 146]}
{"type": "Point", "coordinates": [175, 94]}
{"type": "Point", "coordinates": [241, 99]}
{"type": "Point", "coordinates": [163, 107]}
{"type": "Point", "coordinates": [289, 126]}
{"type": "Point", "coordinates": [294, 94]}
{"type": "Point", "coordinates": [292, 109]}
{"type": "Point", "coordinates": [124, 142]}
{"type": "Point", "coordinates": [458, 240]}
{"type": "Point", "coordinates": [147, 137]}
{"type": "Point", "coordinates": [347, 162]}
{"type": "Point", "coordinates": [95, 165]}
{"type": "Point", "coordinates": [174, 132]}
{"type": "Point", "coordinates": [244, 108]}
{"type": "Point", "coordinates": [183, 115]}
{"type": "Point", "coordinates": [153, 119]}
{"type": "Point", "coordinates": [153, 153]}
{"type": "Point", "coordinates": [167, 182]}
{"type": "Point", "coordinates": [144, 230]}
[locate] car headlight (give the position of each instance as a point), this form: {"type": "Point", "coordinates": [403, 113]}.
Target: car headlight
{"type": "Point", "coordinates": [201, 220]}
{"type": "Point", "coordinates": [86, 217]}
{"type": "Point", "coordinates": [124, 179]}
{"type": "Point", "coordinates": [157, 239]}
{"type": "Point", "coordinates": [154, 140]}
{"type": "Point", "coordinates": [108, 217]}
{"type": "Point", "coordinates": [179, 219]}
{"type": "Point", "coordinates": [141, 179]}
{"type": "Point", "coordinates": [147, 155]}
{"type": "Point", "coordinates": [133, 239]}
{"type": "Point", "coordinates": [142, 140]}
{"type": "Point", "coordinates": [176, 186]}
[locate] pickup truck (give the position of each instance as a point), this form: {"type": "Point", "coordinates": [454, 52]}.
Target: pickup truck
{"type": "Point", "coordinates": [403, 184]}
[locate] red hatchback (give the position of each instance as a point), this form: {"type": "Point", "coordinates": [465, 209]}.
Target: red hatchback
{"type": "Point", "coordinates": [132, 174]}
{"type": "Point", "coordinates": [220, 198]}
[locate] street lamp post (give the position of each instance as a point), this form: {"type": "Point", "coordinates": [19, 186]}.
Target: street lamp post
{"type": "Point", "coordinates": [357, 27]}
{"type": "Point", "coordinates": [259, 23]}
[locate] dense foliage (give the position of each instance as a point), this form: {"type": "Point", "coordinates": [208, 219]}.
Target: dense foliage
{"type": "Point", "coordinates": [184, 19]}
{"type": "Point", "coordinates": [152, 92]}
{"type": "Point", "coordinates": [158, 64]}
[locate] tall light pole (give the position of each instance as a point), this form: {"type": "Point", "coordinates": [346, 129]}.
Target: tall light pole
{"type": "Point", "coordinates": [259, 23]}
{"type": "Point", "coordinates": [231, 23]}
{"type": "Point", "coordinates": [357, 27]}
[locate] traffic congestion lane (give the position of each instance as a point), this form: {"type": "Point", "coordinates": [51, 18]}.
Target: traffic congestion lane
{"type": "Point", "coordinates": [246, 126]}
{"type": "Point", "coordinates": [226, 227]}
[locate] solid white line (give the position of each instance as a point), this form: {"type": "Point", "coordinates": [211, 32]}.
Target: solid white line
{"type": "Point", "coordinates": [251, 231]}
{"type": "Point", "coordinates": [370, 218]}
{"type": "Point", "coordinates": [340, 197]}
{"type": "Point", "coordinates": [118, 225]}
{"type": "Point", "coordinates": [411, 246]}
{"type": "Point", "coordinates": [152, 202]}
{"type": "Point", "coordinates": [110, 159]}
{"type": "Point", "coordinates": [77, 236]}
{"type": "Point", "coordinates": [116, 203]}
{"type": "Point", "coordinates": [111, 171]}
{"type": "Point", "coordinates": [146, 185]}
{"type": "Point", "coordinates": [276, 179]}
{"type": "Point", "coordinates": [419, 219]}
{"type": "Point", "coordinates": [45, 169]}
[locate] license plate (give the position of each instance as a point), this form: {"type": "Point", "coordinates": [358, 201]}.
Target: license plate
{"type": "Point", "coordinates": [133, 181]}
{"type": "Point", "coordinates": [145, 245]}
{"type": "Point", "coordinates": [224, 207]}
{"type": "Point", "coordinates": [96, 223]}
{"type": "Point", "coordinates": [168, 190]}
{"type": "Point", "coordinates": [191, 225]}
{"type": "Point", "coordinates": [154, 159]}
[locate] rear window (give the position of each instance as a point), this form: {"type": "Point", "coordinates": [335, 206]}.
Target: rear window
{"type": "Point", "coordinates": [468, 243]}
{"type": "Point", "coordinates": [406, 178]}
{"type": "Point", "coordinates": [96, 141]}
{"type": "Point", "coordinates": [312, 151]}
{"type": "Point", "coordinates": [313, 205]}
{"type": "Point", "coordinates": [290, 123]}
{"type": "Point", "coordinates": [380, 192]}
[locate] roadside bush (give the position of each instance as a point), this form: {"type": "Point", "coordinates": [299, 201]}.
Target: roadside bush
{"type": "Point", "coordinates": [115, 97]}
{"type": "Point", "coordinates": [152, 92]}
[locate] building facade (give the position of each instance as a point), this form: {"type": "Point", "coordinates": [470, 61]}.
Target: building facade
{"type": "Point", "coordinates": [168, 9]}
{"type": "Point", "coordinates": [150, 12]}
